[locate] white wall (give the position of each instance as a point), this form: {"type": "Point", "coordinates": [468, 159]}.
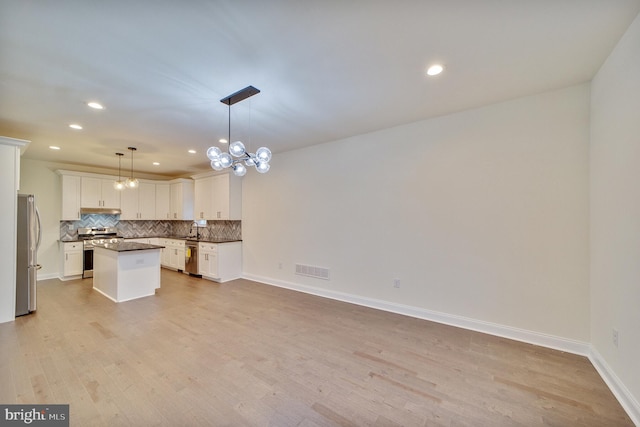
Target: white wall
{"type": "Point", "coordinates": [615, 213]}
{"type": "Point", "coordinates": [9, 184]}
{"type": "Point", "coordinates": [481, 214]}
{"type": "Point", "coordinates": [39, 178]}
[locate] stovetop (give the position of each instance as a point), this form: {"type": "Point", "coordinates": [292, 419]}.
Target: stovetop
{"type": "Point", "coordinates": [97, 232]}
{"type": "Point", "coordinates": [93, 236]}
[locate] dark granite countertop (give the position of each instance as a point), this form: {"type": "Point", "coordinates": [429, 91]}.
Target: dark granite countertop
{"type": "Point", "coordinates": [189, 239]}
{"type": "Point", "coordinates": [129, 246]}
{"type": "Point", "coordinates": [209, 240]}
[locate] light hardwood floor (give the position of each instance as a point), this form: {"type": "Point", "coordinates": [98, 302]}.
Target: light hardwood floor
{"type": "Point", "coordinates": [243, 353]}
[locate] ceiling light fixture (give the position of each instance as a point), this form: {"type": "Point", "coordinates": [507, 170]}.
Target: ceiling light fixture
{"type": "Point", "coordinates": [131, 181]}
{"type": "Point", "coordinates": [95, 105]}
{"type": "Point", "coordinates": [119, 184]}
{"type": "Point", "coordinates": [75, 126]}
{"type": "Point", "coordinates": [156, 164]}
{"type": "Point", "coordinates": [191, 151]}
{"type": "Point", "coordinates": [435, 69]}
{"type": "Point", "coordinates": [220, 160]}
{"type": "Point", "coordinates": [54, 147]}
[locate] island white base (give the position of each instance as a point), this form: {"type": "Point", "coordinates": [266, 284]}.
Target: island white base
{"type": "Point", "coordinates": [123, 276]}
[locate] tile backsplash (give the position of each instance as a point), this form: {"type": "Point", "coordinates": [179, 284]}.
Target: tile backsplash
{"type": "Point", "coordinates": [214, 229]}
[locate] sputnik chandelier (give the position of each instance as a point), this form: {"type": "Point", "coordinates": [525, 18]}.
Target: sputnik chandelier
{"type": "Point", "coordinates": [237, 157]}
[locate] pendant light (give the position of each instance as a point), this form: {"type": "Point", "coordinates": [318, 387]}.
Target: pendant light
{"type": "Point", "coordinates": [237, 158]}
{"type": "Point", "coordinates": [131, 181]}
{"type": "Point", "coordinates": [119, 184]}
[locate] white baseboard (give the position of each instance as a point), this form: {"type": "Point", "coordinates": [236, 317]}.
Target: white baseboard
{"type": "Point", "coordinates": [619, 390]}
{"type": "Point", "coordinates": [48, 276]}
{"type": "Point", "coordinates": [558, 343]}
{"type": "Point", "coordinates": [626, 399]}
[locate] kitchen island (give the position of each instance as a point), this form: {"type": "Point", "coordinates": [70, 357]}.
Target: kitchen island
{"type": "Point", "coordinates": [127, 270]}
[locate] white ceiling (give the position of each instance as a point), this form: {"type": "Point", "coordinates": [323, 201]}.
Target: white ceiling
{"type": "Point", "coordinates": [327, 69]}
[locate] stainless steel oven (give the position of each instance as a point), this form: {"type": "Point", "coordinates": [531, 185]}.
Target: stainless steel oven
{"type": "Point", "coordinates": [92, 237]}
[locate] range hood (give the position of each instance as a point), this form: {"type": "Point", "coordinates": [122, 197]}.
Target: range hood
{"type": "Point", "coordinates": [102, 211]}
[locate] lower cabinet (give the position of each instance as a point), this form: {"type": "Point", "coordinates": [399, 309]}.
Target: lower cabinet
{"type": "Point", "coordinates": [172, 254]}
{"type": "Point", "coordinates": [208, 260]}
{"type": "Point", "coordinates": [72, 255]}
{"type": "Point", "coordinates": [220, 261]}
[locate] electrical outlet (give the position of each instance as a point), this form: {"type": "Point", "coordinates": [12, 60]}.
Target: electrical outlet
{"type": "Point", "coordinates": [396, 283]}
{"type": "Point", "coordinates": [614, 336]}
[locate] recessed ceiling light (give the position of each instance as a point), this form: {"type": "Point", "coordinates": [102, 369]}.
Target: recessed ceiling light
{"type": "Point", "coordinates": [223, 141]}
{"type": "Point", "coordinates": [53, 147]}
{"type": "Point", "coordinates": [75, 126]}
{"type": "Point", "coordinates": [435, 69]}
{"type": "Point", "coordinates": [156, 164]}
{"type": "Point", "coordinates": [192, 151]}
{"type": "Point", "coordinates": [95, 105]}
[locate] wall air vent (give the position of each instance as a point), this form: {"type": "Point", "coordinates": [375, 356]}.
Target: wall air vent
{"type": "Point", "coordinates": [311, 271]}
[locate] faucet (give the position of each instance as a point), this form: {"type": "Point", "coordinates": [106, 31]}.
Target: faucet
{"type": "Point", "coordinates": [197, 230]}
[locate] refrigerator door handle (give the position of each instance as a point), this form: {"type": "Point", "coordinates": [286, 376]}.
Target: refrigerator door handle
{"type": "Point", "coordinates": [39, 229]}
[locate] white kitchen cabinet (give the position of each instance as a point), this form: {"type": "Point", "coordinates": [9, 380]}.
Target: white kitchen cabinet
{"type": "Point", "coordinates": [98, 193]}
{"type": "Point", "coordinates": [208, 260]}
{"type": "Point", "coordinates": [70, 197]}
{"type": "Point", "coordinates": [218, 197]}
{"type": "Point", "coordinates": [129, 204]}
{"type": "Point", "coordinates": [165, 259]}
{"type": "Point", "coordinates": [163, 201]}
{"type": "Point", "coordinates": [227, 197]}
{"type": "Point", "coordinates": [138, 203]}
{"type": "Point", "coordinates": [182, 199]}
{"type": "Point", "coordinates": [176, 258]}
{"type": "Point", "coordinates": [173, 254]}
{"type": "Point", "coordinates": [220, 262]}
{"type": "Point", "coordinates": [72, 260]}
{"type": "Point", "coordinates": [159, 200]}
{"type": "Point", "coordinates": [203, 198]}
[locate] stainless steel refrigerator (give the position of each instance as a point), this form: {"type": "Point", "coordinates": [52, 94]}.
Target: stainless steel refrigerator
{"type": "Point", "coordinates": [29, 236]}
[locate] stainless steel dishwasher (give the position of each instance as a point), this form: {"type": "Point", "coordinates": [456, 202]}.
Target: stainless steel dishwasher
{"type": "Point", "coordinates": [191, 258]}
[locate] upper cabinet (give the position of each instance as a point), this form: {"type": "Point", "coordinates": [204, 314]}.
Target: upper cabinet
{"type": "Point", "coordinates": [227, 197]}
{"type": "Point", "coordinates": [182, 199]}
{"type": "Point", "coordinates": [202, 199]}
{"type": "Point", "coordinates": [138, 203]}
{"type": "Point", "coordinates": [152, 200]}
{"type": "Point", "coordinates": [163, 201]}
{"type": "Point", "coordinates": [70, 198]}
{"type": "Point", "coordinates": [218, 197]}
{"type": "Point", "coordinates": [98, 193]}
